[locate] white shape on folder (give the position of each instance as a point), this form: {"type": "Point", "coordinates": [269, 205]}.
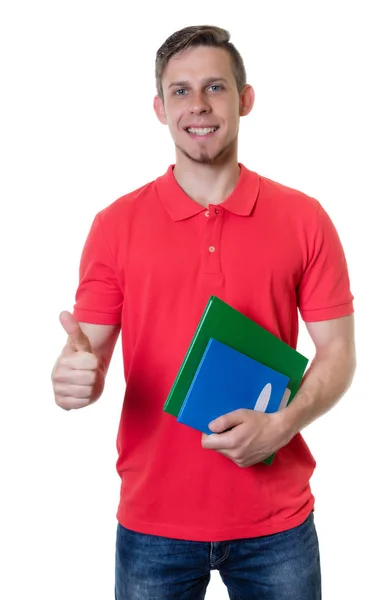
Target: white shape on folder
{"type": "Point", "coordinates": [263, 399]}
{"type": "Point", "coordinates": [285, 399]}
{"type": "Point", "coordinates": [265, 395]}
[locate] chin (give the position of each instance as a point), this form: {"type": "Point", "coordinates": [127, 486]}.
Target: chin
{"type": "Point", "coordinates": [206, 158]}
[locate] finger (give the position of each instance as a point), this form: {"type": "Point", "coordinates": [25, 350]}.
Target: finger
{"type": "Point", "coordinates": [228, 452]}
{"type": "Point", "coordinates": [70, 403]}
{"type": "Point", "coordinates": [73, 391]}
{"type": "Point", "coordinates": [76, 335]}
{"type": "Point", "coordinates": [227, 421]}
{"type": "Point", "coordinates": [75, 376]}
{"type": "Point", "coordinates": [218, 441]}
{"type": "Point", "coordinates": [80, 361]}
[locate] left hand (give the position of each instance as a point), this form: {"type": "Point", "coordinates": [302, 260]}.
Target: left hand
{"type": "Point", "coordinates": [253, 435]}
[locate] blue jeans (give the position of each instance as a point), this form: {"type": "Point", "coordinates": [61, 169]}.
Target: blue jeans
{"type": "Point", "coordinates": [283, 566]}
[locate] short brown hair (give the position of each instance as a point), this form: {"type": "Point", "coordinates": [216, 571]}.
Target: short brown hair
{"type": "Point", "coordinates": [201, 35]}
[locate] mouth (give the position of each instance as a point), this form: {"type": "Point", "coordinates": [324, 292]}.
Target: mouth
{"type": "Point", "coordinates": [201, 131]}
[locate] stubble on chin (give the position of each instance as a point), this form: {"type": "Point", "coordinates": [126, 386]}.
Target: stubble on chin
{"type": "Point", "coordinates": [204, 158]}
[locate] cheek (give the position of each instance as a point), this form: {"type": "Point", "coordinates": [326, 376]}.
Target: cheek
{"type": "Point", "coordinates": [234, 113]}
{"type": "Point", "coordinates": [234, 121]}
{"type": "Point", "coordinates": [173, 119]}
{"type": "Point", "coordinates": [229, 112]}
{"type": "Point", "coordinates": [174, 128]}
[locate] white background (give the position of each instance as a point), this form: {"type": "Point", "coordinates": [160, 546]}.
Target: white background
{"type": "Point", "coordinates": [77, 131]}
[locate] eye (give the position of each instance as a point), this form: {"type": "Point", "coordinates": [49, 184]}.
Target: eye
{"type": "Point", "coordinates": [180, 92]}
{"type": "Point", "coordinates": [216, 87]}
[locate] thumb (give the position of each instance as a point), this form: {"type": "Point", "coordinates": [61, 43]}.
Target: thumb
{"type": "Point", "coordinates": [77, 337]}
{"type": "Point", "coordinates": [227, 421]}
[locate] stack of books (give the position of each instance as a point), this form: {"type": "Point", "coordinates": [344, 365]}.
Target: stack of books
{"type": "Point", "coordinates": [232, 362]}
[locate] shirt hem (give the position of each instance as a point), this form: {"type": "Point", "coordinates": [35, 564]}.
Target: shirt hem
{"type": "Point", "coordinates": [325, 314]}
{"type": "Point", "coordinates": [220, 535]}
{"type": "Point", "coordinates": [89, 316]}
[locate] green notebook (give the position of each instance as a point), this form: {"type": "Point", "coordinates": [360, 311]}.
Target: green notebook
{"type": "Point", "coordinates": [227, 325]}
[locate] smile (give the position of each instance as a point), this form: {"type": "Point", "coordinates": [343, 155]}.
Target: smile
{"type": "Point", "coordinates": [201, 130]}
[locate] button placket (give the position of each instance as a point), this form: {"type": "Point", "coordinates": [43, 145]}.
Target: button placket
{"type": "Point", "coordinates": [211, 254]}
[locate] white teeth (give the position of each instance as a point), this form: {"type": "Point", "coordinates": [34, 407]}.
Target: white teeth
{"type": "Point", "coordinates": [201, 131]}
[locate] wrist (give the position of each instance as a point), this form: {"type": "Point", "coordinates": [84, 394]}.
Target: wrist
{"type": "Point", "coordinates": [288, 423]}
{"type": "Point", "coordinates": [295, 416]}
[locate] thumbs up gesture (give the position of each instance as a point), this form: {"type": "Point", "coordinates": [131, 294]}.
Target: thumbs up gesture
{"type": "Point", "coordinates": [77, 341]}
{"type": "Point", "coordinates": [76, 377]}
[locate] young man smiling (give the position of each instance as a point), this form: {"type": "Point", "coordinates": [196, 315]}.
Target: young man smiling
{"type": "Point", "coordinates": [189, 502]}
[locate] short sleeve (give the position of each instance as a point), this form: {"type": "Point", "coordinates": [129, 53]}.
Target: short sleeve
{"type": "Point", "coordinates": [324, 290]}
{"type": "Point", "coordinates": [99, 298]}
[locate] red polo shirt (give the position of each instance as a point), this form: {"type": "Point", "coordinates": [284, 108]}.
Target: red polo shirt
{"type": "Point", "coordinates": [151, 261]}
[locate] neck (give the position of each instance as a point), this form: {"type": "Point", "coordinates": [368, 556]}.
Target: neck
{"type": "Point", "coordinates": [206, 184]}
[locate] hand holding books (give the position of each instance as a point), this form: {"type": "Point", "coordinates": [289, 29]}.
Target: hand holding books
{"type": "Point", "coordinates": [231, 363]}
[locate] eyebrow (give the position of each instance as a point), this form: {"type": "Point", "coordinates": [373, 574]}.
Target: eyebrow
{"type": "Point", "coordinates": [205, 82]}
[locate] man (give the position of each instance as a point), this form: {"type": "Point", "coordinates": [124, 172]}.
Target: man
{"type": "Point", "coordinates": [191, 502]}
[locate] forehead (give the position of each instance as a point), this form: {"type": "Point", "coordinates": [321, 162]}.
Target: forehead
{"type": "Point", "coordinates": [198, 63]}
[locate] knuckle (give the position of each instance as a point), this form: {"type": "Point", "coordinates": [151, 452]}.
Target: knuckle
{"type": "Point", "coordinates": [88, 360]}
{"type": "Point", "coordinates": [239, 460]}
{"type": "Point", "coordinates": [57, 387]}
{"type": "Point", "coordinates": [59, 375]}
{"type": "Point", "coordinates": [237, 455]}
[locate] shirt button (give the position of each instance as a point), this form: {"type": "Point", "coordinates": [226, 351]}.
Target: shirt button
{"type": "Point", "coordinates": [211, 249]}
{"type": "Point", "coordinates": [207, 213]}
{"type": "Point", "coordinates": [216, 211]}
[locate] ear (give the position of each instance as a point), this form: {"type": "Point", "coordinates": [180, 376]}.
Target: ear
{"type": "Point", "coordinates": [159, 109]}
{"type": "Point", "coordinates": [247, 100]}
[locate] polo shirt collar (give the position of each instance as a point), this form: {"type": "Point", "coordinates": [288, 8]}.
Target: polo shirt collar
{"type": "Point", "coordinates": [180, 206]}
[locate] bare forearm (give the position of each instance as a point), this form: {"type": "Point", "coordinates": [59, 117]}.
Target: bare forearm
{"type": "Point", "coordinates": [325, 382]}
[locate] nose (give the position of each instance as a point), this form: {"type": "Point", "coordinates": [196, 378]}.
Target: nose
{"type": "Point", "coordinates": [200, 104]}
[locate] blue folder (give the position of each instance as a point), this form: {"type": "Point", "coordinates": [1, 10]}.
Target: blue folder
{"type": "Point", "coordinates": [227, 380]}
